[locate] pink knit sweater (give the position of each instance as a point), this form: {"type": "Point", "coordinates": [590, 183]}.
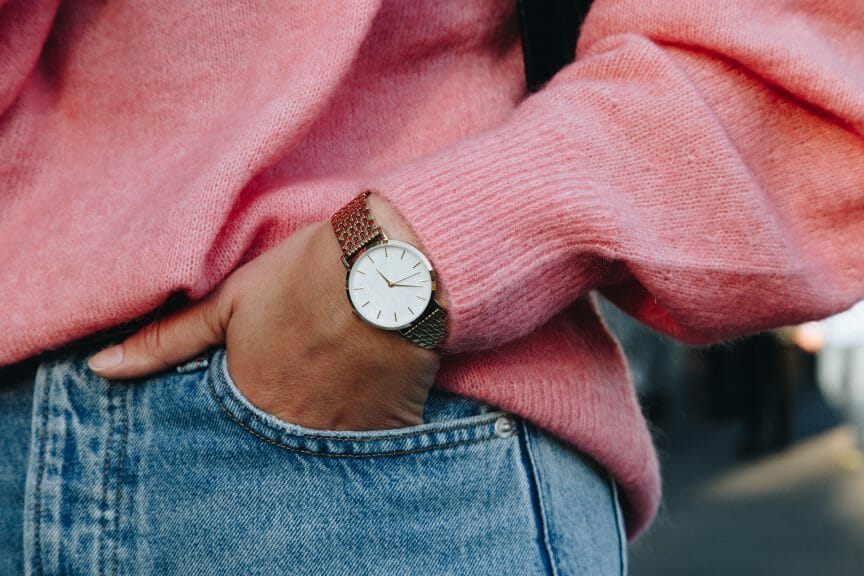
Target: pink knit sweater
{"type": "Point", "coordinates": [701, 162]}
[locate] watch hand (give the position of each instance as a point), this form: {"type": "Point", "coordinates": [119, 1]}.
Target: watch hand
{"type": "Point", "coordinates": [406, 277]}
{"type": "Point", "coordinates": [389, 284]}
{"type": "Point", "coordinates": [407, 285]}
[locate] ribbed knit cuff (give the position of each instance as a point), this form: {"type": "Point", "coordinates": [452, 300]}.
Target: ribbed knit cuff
{"type": "Point", "coordinates": [501, 244]}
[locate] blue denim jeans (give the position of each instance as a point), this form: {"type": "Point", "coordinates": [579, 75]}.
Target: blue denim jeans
{"type": "Point", "coordinates": [180, 474]}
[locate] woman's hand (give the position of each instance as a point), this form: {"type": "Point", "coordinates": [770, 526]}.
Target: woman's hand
{"type": "Point", "coordinates": [295, 349]}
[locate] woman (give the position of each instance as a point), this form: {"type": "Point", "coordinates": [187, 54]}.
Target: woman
{"type": "Point", "coordinates": [700, 164]}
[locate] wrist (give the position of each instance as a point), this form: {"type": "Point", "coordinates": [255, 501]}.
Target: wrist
{"type": "Point", "coordinates": [331, 274]}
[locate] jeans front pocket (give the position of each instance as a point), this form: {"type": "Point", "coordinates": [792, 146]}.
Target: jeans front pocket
{"type": "Point", "coordinates": [436, 498]}
{"type": "Point", "coordinates": [179, 474]}
{"type": "Point", "coordinates": [449, 421]}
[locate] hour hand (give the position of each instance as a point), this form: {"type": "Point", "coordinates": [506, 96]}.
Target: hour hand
{"type": "Point", "coordinates": [389, 284]}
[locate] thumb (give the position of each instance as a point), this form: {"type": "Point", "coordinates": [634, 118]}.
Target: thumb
{"type": "Point", "coordinates": [166, 342]}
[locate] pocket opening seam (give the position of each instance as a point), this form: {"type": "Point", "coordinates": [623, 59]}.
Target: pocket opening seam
{"type": "Point", "coordinates": [489, 417]}
{"type": "Point", "coordinates": [336, 454]}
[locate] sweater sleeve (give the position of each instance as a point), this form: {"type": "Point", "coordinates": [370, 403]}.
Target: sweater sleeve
{"type": "Point", "coordinates": [702, 163]}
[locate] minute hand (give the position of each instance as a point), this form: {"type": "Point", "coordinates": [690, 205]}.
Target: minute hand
{"type": "Point", "coordinates": [405, 278]}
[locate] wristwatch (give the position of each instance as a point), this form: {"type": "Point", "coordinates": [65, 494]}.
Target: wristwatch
{"type": "Point", "coordinates": [390, 284]}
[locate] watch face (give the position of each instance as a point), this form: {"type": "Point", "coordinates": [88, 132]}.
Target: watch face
{"type": "Point", "coordinates": [390, 285]}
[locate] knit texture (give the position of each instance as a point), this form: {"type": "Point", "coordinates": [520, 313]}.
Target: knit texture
{"type": "Point", "coordinates": [701, 163]}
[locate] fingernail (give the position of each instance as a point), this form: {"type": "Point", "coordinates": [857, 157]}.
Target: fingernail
{"type": "Point", "coordinates": [107, 358]}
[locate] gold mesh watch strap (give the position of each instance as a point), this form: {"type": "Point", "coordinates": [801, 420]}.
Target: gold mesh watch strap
{"type": "Point", "coordinates": [429, 330]}
{"type": "Point", "coordinates": [355, 228]}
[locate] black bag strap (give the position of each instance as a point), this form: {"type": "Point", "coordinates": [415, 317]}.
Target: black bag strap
{"type": "Point", "coordinates": [549, 30]}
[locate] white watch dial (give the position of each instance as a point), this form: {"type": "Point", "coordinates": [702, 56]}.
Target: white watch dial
{"type": "Point", "coordinates": [390, 285]}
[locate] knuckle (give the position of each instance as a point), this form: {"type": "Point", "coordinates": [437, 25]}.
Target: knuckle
{"type": "Point", "coordinates": [214, 315]}
{"type": "Point", "coordinates": [152, 343]}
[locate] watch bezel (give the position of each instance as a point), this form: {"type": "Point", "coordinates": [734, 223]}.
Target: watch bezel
{"type": "Point", "coordinates": [426, 264]}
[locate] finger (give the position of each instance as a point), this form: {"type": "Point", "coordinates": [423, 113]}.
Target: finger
{"type": "Point", "coordinates": [166, 342]}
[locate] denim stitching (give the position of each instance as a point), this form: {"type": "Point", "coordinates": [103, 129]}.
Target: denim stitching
{"type": "Point", "coordinates": [124, 420]}
{"type": "Point", "coordinates": [103, 524]}
{"type": "Point", "coordinates": [336, 454]}
{"type": "Point", "coordinates": [39, 480]}
{"type": "Point", "coordinates": [489, 417]}
{"type": "Point", "coordinates": [616, 512]}
{"type": "Point", "coordinates": [542, 515]}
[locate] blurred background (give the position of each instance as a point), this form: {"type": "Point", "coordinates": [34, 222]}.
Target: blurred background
{"type": "Point", "coordinates": [760, 443]}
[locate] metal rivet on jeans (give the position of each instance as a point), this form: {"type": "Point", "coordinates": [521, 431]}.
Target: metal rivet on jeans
{"type": "Point", "coordinates": [505, 427]}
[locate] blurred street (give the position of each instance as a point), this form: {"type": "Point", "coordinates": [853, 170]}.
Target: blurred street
{"type": "Point", "coordinates": [757, 443]}
{"type": "Point", "coordinates": [796, 511]}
